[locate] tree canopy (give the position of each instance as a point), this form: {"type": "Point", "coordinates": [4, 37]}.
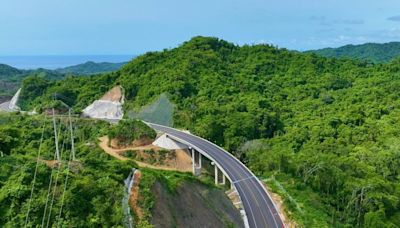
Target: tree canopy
{"type": "Point", "coordinates": [324, 129]}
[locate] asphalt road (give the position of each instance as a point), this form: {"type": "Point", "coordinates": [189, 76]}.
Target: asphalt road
{"type": "Point", "coordinates": [259, 207]}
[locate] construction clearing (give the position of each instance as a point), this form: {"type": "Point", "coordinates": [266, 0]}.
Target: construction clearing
{"type": "Point", "coordinates": [109, 107]}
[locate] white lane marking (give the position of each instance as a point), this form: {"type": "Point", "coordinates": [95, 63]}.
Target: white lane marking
{"type": "Point", "coordinates": [256, 201]}
{"type": "Point", "coordinates": [269, 208]}
{"type": "Point", "coordinates": [225, 155]}
{"type": "Point", "coordinates": [224, 152]}
{"type": "Point", "coordinates": [243, 179]}
{"type": "Point", "coordinates": [248, 203]}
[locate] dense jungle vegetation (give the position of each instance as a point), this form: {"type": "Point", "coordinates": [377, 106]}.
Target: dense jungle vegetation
{"type": "Point", "coordinates": [322, 131]}
{"type": "Point", "coordinates": [127, 131]}
{"type": "Point", "coordinates": [95, 178]}
{"type": "Point", "coordinates": [373, 52]}
{"type": "Point", "coordinates": [90, 67]}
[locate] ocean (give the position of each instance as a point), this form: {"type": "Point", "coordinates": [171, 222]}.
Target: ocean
{"type": "Point", "coordinates": [52, 62]}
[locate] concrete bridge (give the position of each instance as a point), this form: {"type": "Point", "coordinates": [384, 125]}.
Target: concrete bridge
{"type": "Point", "coordinates": [260, 210]}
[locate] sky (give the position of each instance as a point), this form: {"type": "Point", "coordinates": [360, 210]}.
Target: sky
{"type": "Point", "coordinates": [132, 27]}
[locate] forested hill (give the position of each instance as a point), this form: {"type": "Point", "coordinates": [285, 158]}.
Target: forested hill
{"type": "Point", "coordinates": [373, 52]}
{"type": "Point", "coordinates": [8, 71]}
{"type": "Point", "coordinates": [322, 132]}
{"type": "Point", "coordinates": [11, 78]}
{"type": "Point", "coordinates": [91, 68]}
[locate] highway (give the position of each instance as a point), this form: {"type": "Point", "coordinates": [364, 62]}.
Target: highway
{"type": "Point", "coordinates": [259, 207]}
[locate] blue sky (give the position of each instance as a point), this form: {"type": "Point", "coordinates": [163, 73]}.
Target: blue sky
{"type": "Point", "coordinates": [91, 27]}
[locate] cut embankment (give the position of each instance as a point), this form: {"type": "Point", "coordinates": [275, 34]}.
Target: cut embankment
{"type": "Point", "coordinates": [109, 107]}
{"type": "Point", "coordinates": [172, 199]}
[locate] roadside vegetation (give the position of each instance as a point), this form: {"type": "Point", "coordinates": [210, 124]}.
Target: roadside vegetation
{"type": "Point", "coordinates": [127, 131]}
{"type": "Point", "coordinates": [327, 125]}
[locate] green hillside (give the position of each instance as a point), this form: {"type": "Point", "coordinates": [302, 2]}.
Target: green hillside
{"type": "Point", "coordinates": [373, 52]}
{"type": "Point", "coordinates": [89, 181]}
{"type": "Point", "coordinates": [11, 78]}
{"type": "Point", "coordinates": [91, 68]}
{"type": "Point", "coordinates": [321, 131]}
{"type": "Point", "coordinates": [8, 71]}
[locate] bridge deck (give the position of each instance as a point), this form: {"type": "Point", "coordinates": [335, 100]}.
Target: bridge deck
{"type": "Point", "coordinates": [259, 207]}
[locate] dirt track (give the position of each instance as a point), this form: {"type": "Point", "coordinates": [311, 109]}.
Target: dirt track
{"type": "Point", "coordinates": [181, 163]}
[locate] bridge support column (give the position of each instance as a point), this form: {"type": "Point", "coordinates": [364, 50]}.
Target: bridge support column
{"type": "Point", "coordinates": [196, 168]}
{"type": "Point", "coordinates": [193, 161]}
{"type": "Point", "coordinates": [216, 178]}
{"type": "Point", "coordinates": [200, 160]}
{"type": "Point", "coordinates": [216, 174]}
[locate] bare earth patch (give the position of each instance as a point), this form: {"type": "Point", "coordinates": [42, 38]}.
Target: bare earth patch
{"type": "Point", "coordinates": [115, 95]}
{"type": "Point", "coordinates": [180, 162]}
{"type": "Point", "coordinates": [134, 196]}
{"type": "Point", "coordinates": [137, 143]}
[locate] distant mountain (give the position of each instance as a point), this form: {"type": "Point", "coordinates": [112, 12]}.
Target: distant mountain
{"type": "Point", "coordinates": [8, 71]}
{"type": "Point", "coordinates": [90, 68]}
{"type": "Point", "coordinates": [11, 77]}
{"type": "Point", "coordinates": [374, 52]}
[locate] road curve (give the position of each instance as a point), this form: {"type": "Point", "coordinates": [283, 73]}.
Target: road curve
{"type": "Point", "coordinates": [258, 205]}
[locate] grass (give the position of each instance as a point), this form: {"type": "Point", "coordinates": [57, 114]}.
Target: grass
{"type": "Point", "coordinates": [301, 204]}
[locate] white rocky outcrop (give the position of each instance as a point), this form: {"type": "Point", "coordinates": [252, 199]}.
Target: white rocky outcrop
{"type": "Point", "coordinates": [14, 101]}
{"type": "Point", "coordinates": [109, 107]}
{"type": "Point", "coordinates": [10, 106]}
{"type": "Point", "coordinates": [101, 109]}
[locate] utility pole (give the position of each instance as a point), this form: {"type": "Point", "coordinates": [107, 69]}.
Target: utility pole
{"type": "Point", "coordinates": [72, 135]}
{"type": "Point", "coordinates": [56, 138]}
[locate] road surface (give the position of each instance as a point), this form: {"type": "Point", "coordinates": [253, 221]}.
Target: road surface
{"type": "Point", "coordinates": [259, 207]}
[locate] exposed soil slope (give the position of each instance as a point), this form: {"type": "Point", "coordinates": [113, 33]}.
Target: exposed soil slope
{"type": "Point", "coordinates": [115, 95]}
{"type": "Point", "coordinates": [193, 205]}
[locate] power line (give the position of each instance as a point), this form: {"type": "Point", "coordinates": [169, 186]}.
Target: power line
{"type": "Point", "coordinates": [71, 157]}
{"type": "Point", "coordinates": [34, 176]}
{"type": "Point", "coordinates": [55, 184]}
{"type": "Point", "coordinates": [51, 175]}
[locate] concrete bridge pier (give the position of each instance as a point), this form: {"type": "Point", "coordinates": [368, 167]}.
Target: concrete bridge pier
{"type": "Point", "coordinates": [216, 172]}
{"type": "Point", "coordinates": [196, 167]}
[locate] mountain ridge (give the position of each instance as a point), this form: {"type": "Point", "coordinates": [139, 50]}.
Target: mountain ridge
{"type": "Point", "coordinates": [373, 52]}
{"type": "Point", "coordinates": [11, 77]}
